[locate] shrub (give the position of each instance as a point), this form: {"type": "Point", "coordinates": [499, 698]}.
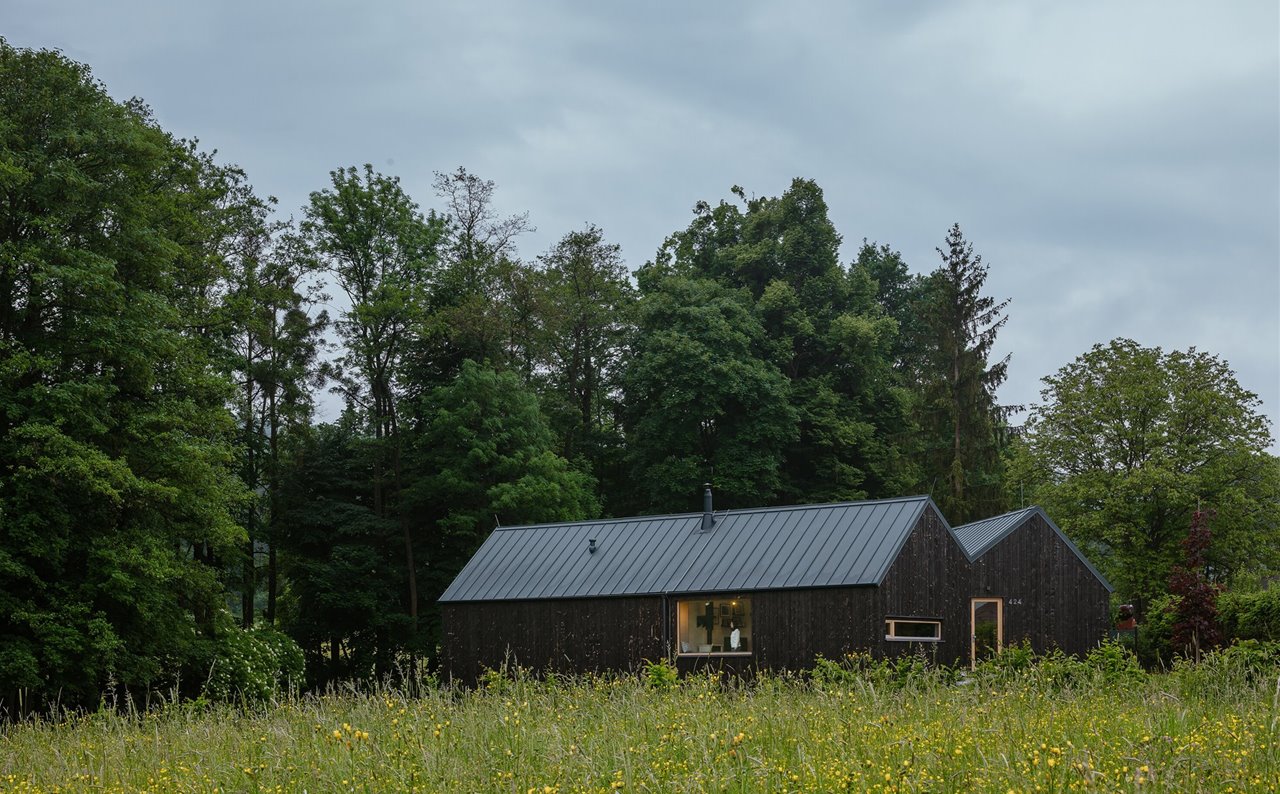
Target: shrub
{"type": "Point", "coordinates": [661, 674]}
{"type": "Point", "coordinates": [1251, 616]}
{"type": "Point", "coordinates": [863, 668]}
{"type": "Point", "coordinates": [1155, 632]}
{"type": "Point", "coordinates": [1115, 664]}
{"type": "Point", "coordinates": [1227, 672]}
{"type": "Point", "coordinates": [252, 665]}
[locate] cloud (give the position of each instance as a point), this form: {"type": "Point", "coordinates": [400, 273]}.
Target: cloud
{"type": "Point", "coordinates": [1118, 165]}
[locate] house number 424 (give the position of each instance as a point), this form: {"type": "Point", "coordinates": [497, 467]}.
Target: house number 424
{"type": "Point", "coordinates": [1015, 602]}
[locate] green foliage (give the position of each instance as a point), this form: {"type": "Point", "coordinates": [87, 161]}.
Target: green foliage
{"type": "Point", "coordinates": [961, 423]}
{"type": "Point", "coordinates": [117, 484]}
{"type": "Point", "coordinates": [485, 455]}
{"type": "Point", "coordinates": [861, 669]}
{"type": "Point", "coordinates": [839, 426]}
{"type": "Point", "coordinates": [1115, 663]}
{"type": "Point", "coordinates": [1108, 665]}
{"type": "Point", "coordinates": [700, 404]}
{"type": "Point", "coordinates": [482, 302]}
{"type": "Point", "coordinates": [661, 674]}
{"type": "Point", "coordinates": [1155, 632]}
{"type": "Point", "coordinates": [584, 299]}
{"type": "Point", "coordinates": [1241, 666]}
{"type": "Point", "coordinates": [1251, 616]}
{"type": "Point", "coordinates": [1129, 441]}
{"type": "Point", "coordinates": [343, 604]}
{"type": "Point", "coordinates": [247, 665]}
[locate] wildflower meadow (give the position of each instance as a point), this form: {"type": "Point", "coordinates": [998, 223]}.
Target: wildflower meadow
{"type": "Point", "coordinates": [1023, 725]}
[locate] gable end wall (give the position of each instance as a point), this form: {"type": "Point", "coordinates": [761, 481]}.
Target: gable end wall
{"type": "Point", "coordinates": [1051, 597]}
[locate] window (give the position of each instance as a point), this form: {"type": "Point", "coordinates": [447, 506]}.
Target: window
{"type": "Point", "coordinates": [913, 630]}
{"type": "Point", "coordinates": [714, 625]}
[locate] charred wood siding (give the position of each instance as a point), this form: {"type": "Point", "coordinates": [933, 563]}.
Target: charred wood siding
{"type": "Point", "coordinates": [1060, 603]}
{"type": "Point", "coordinates": [1050, 598]}
{"type": "Point", "coordinates": [564, 636]}
{"type": "Point", "coordinates": [930, 579]}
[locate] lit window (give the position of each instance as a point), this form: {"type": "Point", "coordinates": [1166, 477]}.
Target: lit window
{"type": "Point", "coordinates": [913, 630]}
{"type": "Point", "coordinates": [714, 625]}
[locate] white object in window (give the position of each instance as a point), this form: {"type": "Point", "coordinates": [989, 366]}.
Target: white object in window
{"type": "Point", "coordinates": [714, 625]}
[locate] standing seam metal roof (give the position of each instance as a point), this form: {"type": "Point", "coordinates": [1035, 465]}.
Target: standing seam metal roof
{"type": "Point", "coordinates": [981, 536]}
{"type": "Point", "coordinates": [851, 543]}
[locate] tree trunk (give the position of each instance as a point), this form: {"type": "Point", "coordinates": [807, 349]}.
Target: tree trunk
{"type": "Point", "coordinates": [273, 486]}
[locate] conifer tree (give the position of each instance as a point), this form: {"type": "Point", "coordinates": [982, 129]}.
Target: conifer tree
{"type": "Point", "coordinates": [963, 425]}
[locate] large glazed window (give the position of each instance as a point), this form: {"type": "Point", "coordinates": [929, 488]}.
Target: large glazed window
{"type": "Point", "coordinates": [714, 625]}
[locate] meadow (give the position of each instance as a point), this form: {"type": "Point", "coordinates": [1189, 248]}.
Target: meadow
{"type": "Point", "coordinates": [842, 727]}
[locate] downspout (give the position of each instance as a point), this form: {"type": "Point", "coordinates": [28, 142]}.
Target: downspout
{"type": "Point", "coordinates": [666, 626]}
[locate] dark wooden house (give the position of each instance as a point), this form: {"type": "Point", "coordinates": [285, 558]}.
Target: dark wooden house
{"type": "Point", "coordinates": [1031, 583]}
{"type": "Point", "coordinates": [768, 588]}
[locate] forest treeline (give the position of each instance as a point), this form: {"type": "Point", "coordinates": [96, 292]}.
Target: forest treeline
{"type": "Point", "coordinates": [167, 498]}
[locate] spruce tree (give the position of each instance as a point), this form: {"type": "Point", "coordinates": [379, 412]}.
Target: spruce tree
{"type": "Point", "coordinates": [963, 426]}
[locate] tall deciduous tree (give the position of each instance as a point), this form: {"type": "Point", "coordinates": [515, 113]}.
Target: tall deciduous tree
{"type": "Point", "coordinates": [702, 405]}
{"type": "Point", "coordinates": [823, 332]}
{"type": "Point", "coordinates": [962, 423]}
{"type": "Point", "coordinates": [1129, 440]}
{"type": "Point", "coordinates": [368, 233]}
{"type": "Point", "coordinates": [485, 456]}
{"type": "Point", "coordinates": [478, 303]}
{"type": "Point", "coordinates": [345, 595]}
{"type": "Point", "coordinates": [116, 461]}
{"type": "Point", "coordinates": [584, 299]}
{"type": "Point", "coordinates": [272, 329]}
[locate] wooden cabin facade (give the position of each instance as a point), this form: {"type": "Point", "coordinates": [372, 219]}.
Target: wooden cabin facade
{"type": "Point", "coordinates": [769, 589]}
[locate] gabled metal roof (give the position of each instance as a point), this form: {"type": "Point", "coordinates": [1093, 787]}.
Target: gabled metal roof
{"type": "Point", "coordinates": [981, 536]}
{"type": "Point", "coordinates": [851, 543]}
{"type": "Point", "coordinates": [978, 537]}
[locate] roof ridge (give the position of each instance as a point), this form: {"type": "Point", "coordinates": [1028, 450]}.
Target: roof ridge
{"type": "Point", "coordinates": [996, 517]}
{"type": "Point", "coordinates": [732, 511]}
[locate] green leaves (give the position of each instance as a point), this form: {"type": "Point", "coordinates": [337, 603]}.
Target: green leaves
{"type": "Point", "coordinates": [115, 461]}
{"type": "Point", "coordinates": [1130, 440]}
{"type": "Point", "coordinates": [702, 404]}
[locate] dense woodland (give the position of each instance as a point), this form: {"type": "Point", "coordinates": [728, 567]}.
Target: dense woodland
{"type": "Point", "coordinates": [169, 503]}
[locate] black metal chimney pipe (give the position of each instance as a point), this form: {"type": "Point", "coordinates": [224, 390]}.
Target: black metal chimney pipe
{"type": "Point", "coordinates": [708, 520]}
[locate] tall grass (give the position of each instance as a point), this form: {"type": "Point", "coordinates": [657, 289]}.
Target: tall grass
{"type": "Point", "coordinates": [1013, 728]}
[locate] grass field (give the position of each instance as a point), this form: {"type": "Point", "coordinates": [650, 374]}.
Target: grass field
{"type": "Point", "coordinates": [1193, 730]}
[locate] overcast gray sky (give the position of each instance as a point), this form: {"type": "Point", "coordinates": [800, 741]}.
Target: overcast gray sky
{"type": "Point", "coordinates": [1117, 165]}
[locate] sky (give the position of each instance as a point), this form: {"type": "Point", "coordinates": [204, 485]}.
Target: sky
{"type": "Point", "coordinates": [1116, 165]}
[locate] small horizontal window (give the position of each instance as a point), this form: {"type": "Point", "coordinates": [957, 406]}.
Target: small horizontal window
{"type": "Point", "coordinates": [913, 630]}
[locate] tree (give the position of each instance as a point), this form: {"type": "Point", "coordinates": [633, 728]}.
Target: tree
{"type": "Point", "coordinates": [477, 305]}
{"type": "Point", "coordinates": [584, 303]}
{"type": "Point", "coordinates": [701, 405]}
{"type": "Point", "coordinates": [271, 343]}
{"type": "Point", "coordinates": [963, 425]}
{"type": "Point", "coordinates": [117, 483]}
{"type": "Point", "coordinates": [1196, 628]}
{"type": "Point", "coordinates": [900, 296]}
{"type": "Point", "coordinates": [1129, 440]}
{"type": "Point", "coordinates": [370, 236]}
{"type": "Point", "coordinates": [485, 456]}
{"type": "Point", "coordinates": [822, 331]}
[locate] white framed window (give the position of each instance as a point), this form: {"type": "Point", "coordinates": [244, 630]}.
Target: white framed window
{"type": "Point", "coordinates": [912, 630]}
{"type": "Point", "coordinates": [713, 625]}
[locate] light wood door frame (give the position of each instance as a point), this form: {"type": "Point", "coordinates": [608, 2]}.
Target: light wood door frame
{"type": "Point", "coordinates": [973, 626]}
